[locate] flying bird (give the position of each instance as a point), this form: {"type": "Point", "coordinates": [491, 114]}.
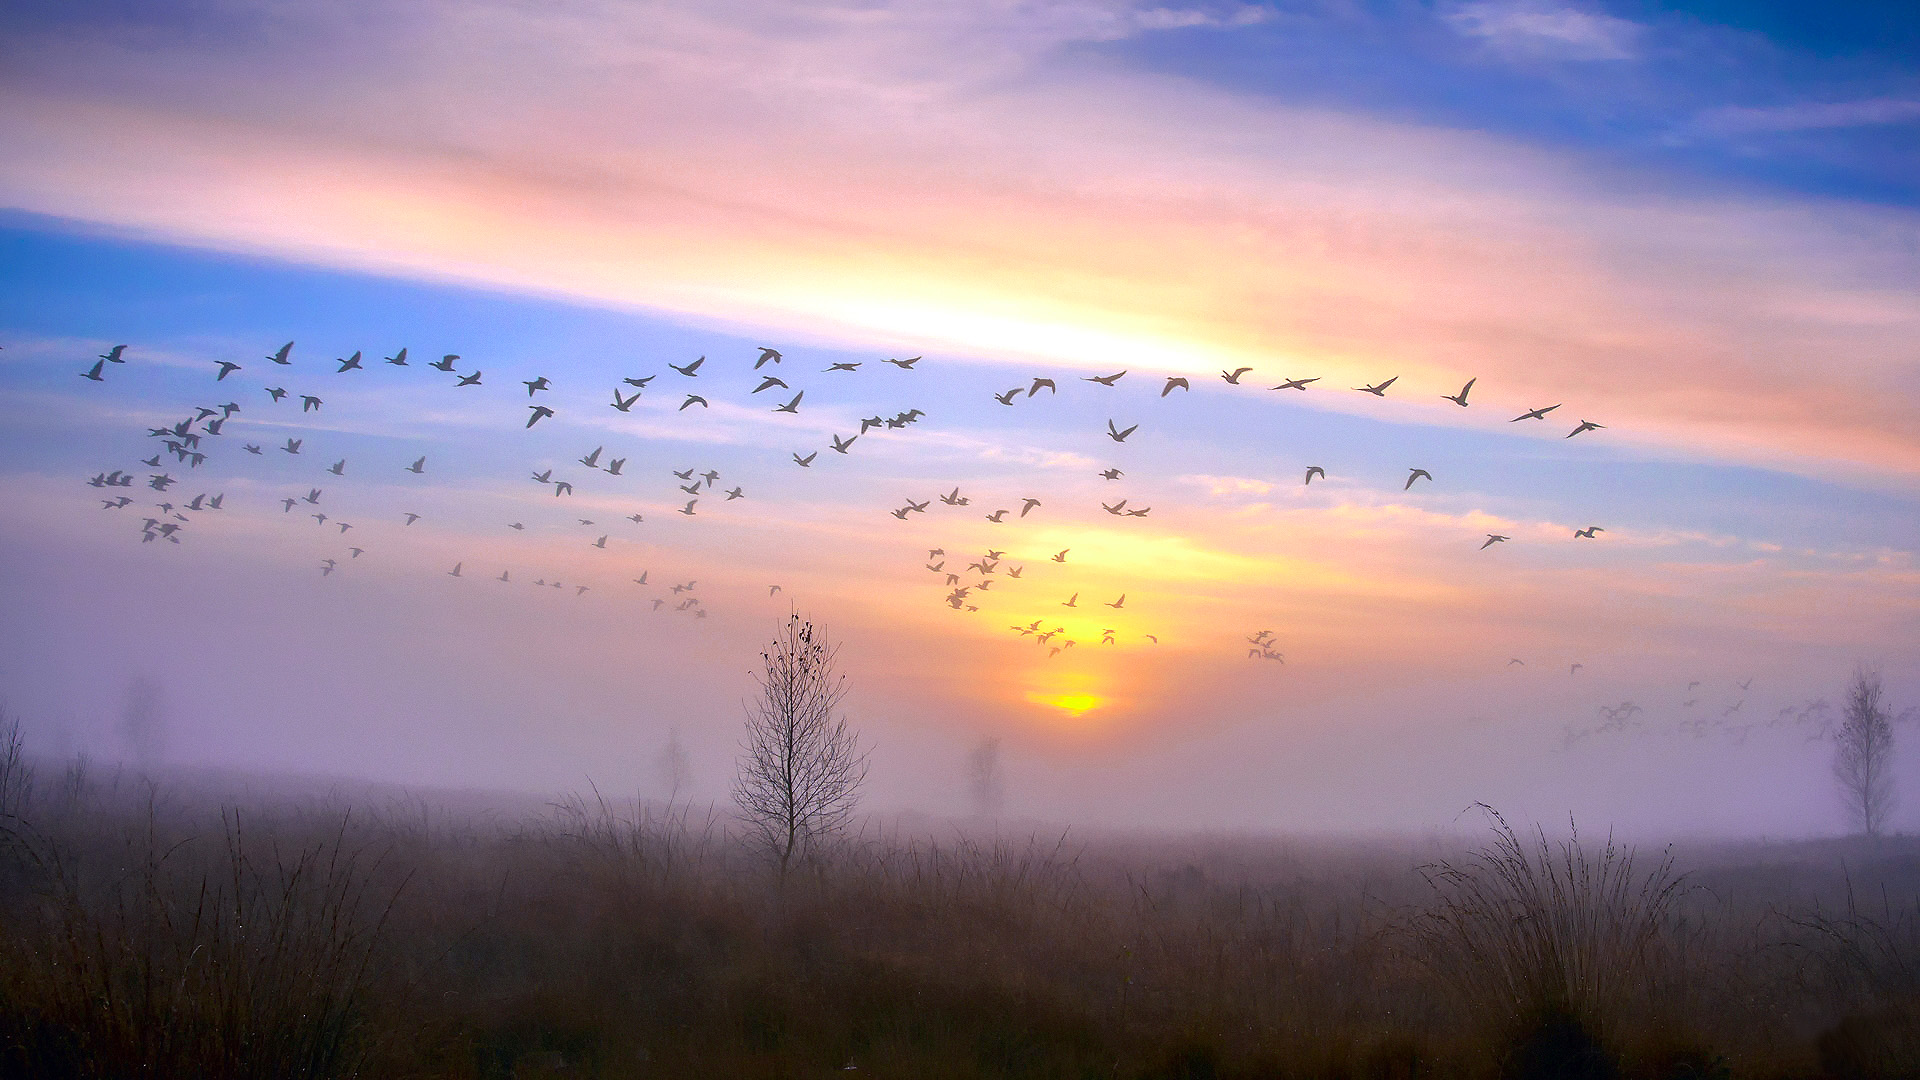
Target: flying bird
{"type": "Point", "coordinates": [561, 487]}
{"type": "Point", "coordinates": [446, 362]}
{"type": "Point", "coordinates": [94, 372]}
{"type": "Point", "coordinates": [642, 383]}
{"type": "Point", "coordinates": [843, 366]}
{"type": "Point", "coordinates": [338, 468]}
{"type": "Point", "coordinates": [602, 542]}
{"type": "Point", "coordinates": [1313, 471]}
{"type": "Point", "coordinates": [1118, 435]}
{"type": "Point", "coordinates": [1071, 601]}
{"type": "Point", "coordinates": [770, 382]}
{"type": "Point", "coordinates": [1038, 383]}
{"type": "Point", "coordinates": [398, 359]}
{"type": "Point", "coordinates": [469, 380]}
{"type": "Point", "coordinates": [1116, 509]}
{"type": "Point", "coordinates": [592, 461]}
{"type": "Point", "coordinates": [411, 518]}
{"type": "Point", "coordinates": [688, 509]}
{"type": "Point", "coordinates": [1492, 539]}
{"type": "Point", "coordinates": [997, 517]}
{"type": "Point", "coordinates": [624, 404]}
{"type": "Point", "coordinates": [1380, 390]}
{"type": "Point", "coordinates": [1585, 425]}
{"type": "Point", "coordinates": [534, 385]}
{"type": "Point", "coordinates": [791, 406]}
{"type": "Point", "coordinates": [1297, 384]}
{"type": "Point", "coordinates": [615, 465]}
{"type": "Point", "coordinates": [281, 356]}
{"type": "Point", "coordinates": [689, 370]}
{"type": "Point", "coordinates": [1061, 555]}
{"type": "Point", "coordinates": [1533, 414]}
{"type": "Point", "coordinates": [276, 393]}
{"type": "Point", "coordinates": [691, 398]}
{"type": "Point", "coordinates": [1007, 398]}
{"type": "Point", "coordinates": [1233, 377]}
{"type": "Point", "coordinates": [1027, 504]}
{"type": "Point", "coordinates": [351, 363]}
{"type": "Point", "coordinates": [839, 446]}
{"type": "Point", "coordinates": [455, 572]}
{"type": "Point", "coordinates": [1112, 474]}
{"type": "Point", "coordinates": [293, 446]}
{"type": "Point", "coordinates": [1172, 383]}
{"type": "Point", "coordinates": [736, 493]}
{"type": "Point", "coordinates": [1415, 474]}
{"type": "Point", "coordinates": [1460, 398]}
{"type": "Point", "coordinates": [1587, 533]}
{"type": "Point", "coordinates": [903, 365]}
{"type": "Point", "coordinates": [1103, 380]}
{"type": "Point", "coordinates": [540, 412]}
{"type": "Point", "coordinates": [805, 462]}
{"type": "Point", "coordinates": [1118, 604]}
{"type": "Point", "coordinates": [766, 354]}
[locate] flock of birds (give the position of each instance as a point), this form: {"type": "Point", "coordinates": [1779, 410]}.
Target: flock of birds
{"type": "Point", "coordinates": [1731, 719]}
{"type": "Point", "coordinates": [185, 446]}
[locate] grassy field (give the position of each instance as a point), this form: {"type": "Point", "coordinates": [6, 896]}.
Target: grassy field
{"type": "Point", "coordinates": [162, 930]}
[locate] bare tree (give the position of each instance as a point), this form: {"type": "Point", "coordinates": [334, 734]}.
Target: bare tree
{"type": "Point", "coordinates": [801, 767]}
{"type": "Point", "coordinates": [1863, 752]}
{"type": "Point", "coordinates": [984, 780]}
{"type": "Point", "coordinates": [675, 768]}
{"type": "Point", "coordinates": [16, 773]}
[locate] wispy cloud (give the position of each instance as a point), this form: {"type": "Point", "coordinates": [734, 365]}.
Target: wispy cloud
{"type": "Point", "coordinates": [1547, 30]}
{"type": "Point", "coordinates": [1809, 116]}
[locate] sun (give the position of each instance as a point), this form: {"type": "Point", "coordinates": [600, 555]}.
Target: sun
{"type": "Point", "coordinates": [1073, 704]}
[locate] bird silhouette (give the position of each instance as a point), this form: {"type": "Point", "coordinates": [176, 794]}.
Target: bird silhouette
{"type": "Point", "coordinates": [293, 446]}
{"type": "Point", "coordinates": [534, 385]}
{"type": "Point", "coordinates": [1118, 604]}
{"type": "Point", "coordinates": [281, 356]}
{"type": "Point", "coordinates": [805, 462]}
{"type": "Point", "coordinates": [1533, 414]}
{"type": "Point", "coordinates": [1313, 471]}
{"type": "Point", "coordinates": [1379, 390]}
{"type": "Point", "coordinates": [688, 509]}
{"type": "Point", "coordinates": [1460, 398]}
{"type": "Point", "coordinates": [469, 380]}
{"type": "Point", "coordinates": [766, 354]}
{"type": "Point", "coordinates": [840, 446]}
{"type": "Point", "coordinates": [539, 413]}
{"type": "Point", "coordinates": [791, 406]}
{"type": "Point", "coordinates": [1585, 425]}
{"type": "Point", "coordinates": [1103, 380]}
{"type": "Point", "coordinates": [1492, 539]}
{"type": "Point", "coordinates": [690, 369]}
{"type": "Point", "coordinates": [338, 468]}
{"type": "Point", "coordinates": [1007, 398]}
{"type": "Point", "coordinates": [455, 572]}
{"type": "Point", "coordinates": [398, 359]}
{"type": "Point", "coordinates": [1038, 383]}
{"type": "Point", "coordinates": [769, 382]}
{"type": "Point", "coordinates": [1061, 555]}
{"type": "Point", "coordinates": [1233, 377]}
{"type": "Point", "coordinates": [94, 372]}
{"type": "Point", "coordinates": [639, 382]}
{"type": "Point", "coordinates": [615, 465]}
{"type": "Point", "coordinates": [843, 366]}
{"type": "Point", "coordinates": [602, 542]}
{"type": "Point", "coordinates": [227, 367]}
{"type": "Point", "coordinates": [351, 363]}
{"type": "Point", "coordinates": [561, 487]}
{"type": "Point", "coordinates": [1115, 509]}
{"type": "Point", "coordinates": [1027, 504]}
{"type": "Point", "coordinates": [1118, 435]}
{"type": "Point", "coordinates": [1172, 384]}
{"type": "Point", "coordinates": [903, 365]}
{"type": "Point", "coordinates": [276, 393]}
{"type": "Point", "coordinates": [411, 518]}
{"type": "Point", "coordinates": [1415, 474]}
{"type": "Point", "coordinates": [735, 493]}
{"type": "Point", "coordinates": [446, 362]}
{"type": "Point", "coordinates": [1297, 384]}
{"type": "Point", "coordinates": [691, 399]}
{"type": "Point", "coordinates": [997, 517]}
{"type": "Point", "coordinates": [624, 404]}
{"type": "Point", "coordinates": [1112, 474]}
{"type": "Point", "coordinates": [1587, 533]}
{"type": "Point", "coordinates": [592, 461]}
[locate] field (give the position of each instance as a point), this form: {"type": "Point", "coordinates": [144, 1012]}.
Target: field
{"type": "Point", "coordinates": [185, 929]}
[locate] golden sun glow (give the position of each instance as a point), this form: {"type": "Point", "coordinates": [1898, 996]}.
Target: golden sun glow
{"type": "Point", "coordinates": [1073, 704]}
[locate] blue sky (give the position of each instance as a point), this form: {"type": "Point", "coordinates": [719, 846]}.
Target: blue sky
{"type": "Point", "coordinates": [1694, 226]}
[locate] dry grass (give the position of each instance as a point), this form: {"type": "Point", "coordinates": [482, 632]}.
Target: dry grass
{"type": "Point", "coordinates": [149, 938]}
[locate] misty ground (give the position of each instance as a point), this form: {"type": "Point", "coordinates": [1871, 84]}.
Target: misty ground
{"type": "Point", "coordinates": [216, 926]}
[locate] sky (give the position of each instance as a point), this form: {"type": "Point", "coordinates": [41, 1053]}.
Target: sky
{"type": "Point", "coordinates": [1694, 225]}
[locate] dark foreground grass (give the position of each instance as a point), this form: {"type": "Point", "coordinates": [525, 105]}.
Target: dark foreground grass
{"type": "Point", "coordinates": [145, 937]}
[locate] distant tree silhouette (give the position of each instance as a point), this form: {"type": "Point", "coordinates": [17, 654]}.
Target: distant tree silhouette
{"type": "Point", "coordinates": [1863, 752]}
{"type": "Point", "coordinates": [801, 767]}
{"type": "Point", "coordinates": [675, 767]}
{"type": "Point", "coordinates": [984, 780]}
